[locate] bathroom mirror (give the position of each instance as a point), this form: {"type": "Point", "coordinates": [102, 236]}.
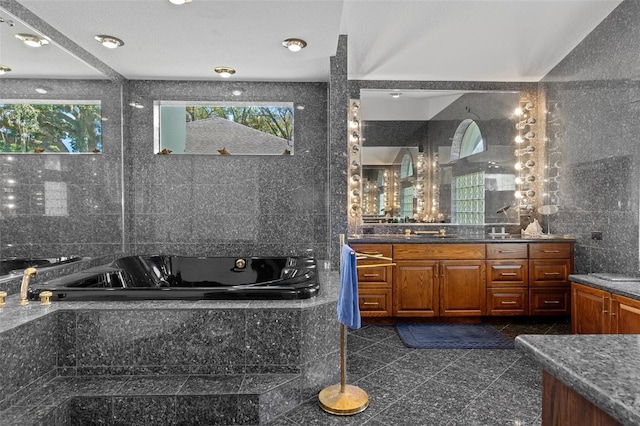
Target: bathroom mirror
{"type": "Point", "coordinates": [461, 144]}
{"type": "Point", "coordinates": [229, 128]}
{"type": "Point", "coordinates": [57, 209]}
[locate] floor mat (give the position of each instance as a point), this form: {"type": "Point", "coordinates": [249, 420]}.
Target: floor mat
{"type": "Point", "coordinates": [453, 336]}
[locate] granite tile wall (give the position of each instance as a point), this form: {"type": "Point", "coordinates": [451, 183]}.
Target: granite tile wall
{"type": "Point", "coordinates": [227, 205]}
{"type": "Point", "coordinates": [593, 158]}
{"type": "Point", "coordinates": [92, 224]}
{"type": "Point", "coordinates": [29, 357]}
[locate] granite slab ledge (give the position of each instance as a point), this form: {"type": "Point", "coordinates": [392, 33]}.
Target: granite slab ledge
{"type": "Point", "coordinates": [601, 368]}
{"type": "Point", "coordinates": [629, 289]}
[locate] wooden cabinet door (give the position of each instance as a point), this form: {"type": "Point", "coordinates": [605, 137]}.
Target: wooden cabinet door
{"type": "Point", "coordinates": [462, 288]}
{"type": "Point", "coordinates": [589, 310]}
{"type": "Point", "coordinates": [415, 288]}
{"type": "Point", "coordinates": [625, 315]}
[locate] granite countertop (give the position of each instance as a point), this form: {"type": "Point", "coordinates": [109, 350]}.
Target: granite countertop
{"type": "Point", "coordinates": [629, 289]}
{"type": "Point", "coordinates": [604, 369]}
{"type": "Point", "coordinates": [14, 315]}
{"type": "Point", "coordinates": [454, 239]}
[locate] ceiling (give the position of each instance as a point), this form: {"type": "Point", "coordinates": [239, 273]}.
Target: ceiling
{"type": "Point", "coordinates": [447, 40]}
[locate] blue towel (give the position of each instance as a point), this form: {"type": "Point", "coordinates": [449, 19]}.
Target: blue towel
{"type": "Point", "coordinates": [348, 309]}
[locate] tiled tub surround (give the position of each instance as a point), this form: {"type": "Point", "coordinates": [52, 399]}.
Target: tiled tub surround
{"type": "Point", "coordinates": [178, 362]}
{"type": "Point", "coordinates": [213, 205]}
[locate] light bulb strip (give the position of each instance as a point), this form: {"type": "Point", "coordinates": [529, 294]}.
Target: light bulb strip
{"type": "Point", "coordinates": [526, 169]}
{"type": "Point", "coordinates": [355, 188]}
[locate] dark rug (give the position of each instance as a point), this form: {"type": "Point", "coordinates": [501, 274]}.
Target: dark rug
{"type": "Point", "coordinates": [453, 336]}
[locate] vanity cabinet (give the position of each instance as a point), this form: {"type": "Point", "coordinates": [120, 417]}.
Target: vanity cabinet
{"type": "Point", "coordinates": [439, 280]}
{"type": "Point", "coordinates": [596, 311]}
{"type": "Point", "coordinates": [374, 283]}
{"type": "Point", "coordinates": [549, 289]}
{"type": "Point", "coordinates": [507, 279]}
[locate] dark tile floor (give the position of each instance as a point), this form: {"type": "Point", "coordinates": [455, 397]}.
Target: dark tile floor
{"type": "Point", "coordinates": [448, 387]}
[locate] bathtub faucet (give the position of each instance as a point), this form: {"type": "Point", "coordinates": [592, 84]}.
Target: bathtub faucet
{"type": "Point", "coordinates": [28, 274]}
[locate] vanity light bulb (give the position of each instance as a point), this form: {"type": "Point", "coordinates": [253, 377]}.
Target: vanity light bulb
{"type": "Point", "coordinates": [519, 139]}
{"type": "Point", "coordinates": [518, 194]}
{"type": "Point", "coordinates": [355, 149]}
{"type": "Point", "coordinates": [519, 181]}
{"type": "Point", "coordinates": [518, 166]}
{"type": "Point", "coordinates": [518, 112]}
{"type": "Point", "coordinates": [355, 123]}
{"type": "Point", "coordinates": [355, 135]}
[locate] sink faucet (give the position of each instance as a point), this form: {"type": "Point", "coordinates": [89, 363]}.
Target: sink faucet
{"type": "Point", "coordinates": [28, 274]}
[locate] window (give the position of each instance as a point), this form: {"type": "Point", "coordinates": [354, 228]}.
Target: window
{"type": "Point", "coordinates": [467, 140]}
{"type": "Point", "coordinates": [54, 126]}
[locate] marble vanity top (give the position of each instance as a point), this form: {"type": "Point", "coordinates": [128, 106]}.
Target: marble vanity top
{"type": "Point", "coordinates": [623, 288]}
{"type": "Point", "coordinates": [454, 239]}
{"type": "Point", "coordinates": [604, 369]}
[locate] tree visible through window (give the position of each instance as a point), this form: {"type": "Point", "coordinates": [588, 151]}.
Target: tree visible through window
{"type": "Point", "coordinates": [53, 126]}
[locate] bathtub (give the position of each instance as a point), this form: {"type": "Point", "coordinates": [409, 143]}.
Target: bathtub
{"type": "Point", "coordinates": [189, 278]}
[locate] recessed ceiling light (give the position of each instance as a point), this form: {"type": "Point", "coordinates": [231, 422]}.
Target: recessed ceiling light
{"type": "Point", "coordinates": [109, 42]}
{"type": "Point", "coordinates": [294, 44]}
{"type": "Point", "coordinates": [32, 40]}
{"type": "Point", "coordinates": [237, 92]}
{"type": "Point", "coordinates": [395, 95]}
{"type": "Point", "coordinates": [179, 1]}
{"type": "Point", "coordinates": [4, 69]}
{"type": "Point", "coordinates": [43, 89]}
{"type": "Point", "coordinates": [225, 72]}
{"type": "Point", "coordinates": [300, 107]}
{"type": "Point", "coordinates": [136, 105]}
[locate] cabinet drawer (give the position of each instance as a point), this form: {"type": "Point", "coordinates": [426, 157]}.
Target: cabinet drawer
{"type": "Point", "coordinates": [507, 273]}
{"type": "Point", "coordinates": [507, 251]}
{"type": "Point", "coordinates": [548, 272]}
{"type": "Point", "coordinates": [507, 301]}
{"type": "Point", "coordinates": [550, 251]}
{"type": "Point", "coordinates": [374, 302]}
{"type": "Point", "coordinates": [374, 275]}
{"type": "Point", "coordinates": [438, 251]}
{"type": "Point", "coordinates": [549, 301]}
{"type": "Point", "coordinates": [375, 249]}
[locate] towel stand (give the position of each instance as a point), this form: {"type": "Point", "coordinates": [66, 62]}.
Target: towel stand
{"type": "Point", "coordinates": [342, 399]}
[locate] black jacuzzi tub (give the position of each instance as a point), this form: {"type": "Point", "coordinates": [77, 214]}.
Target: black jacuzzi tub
{"type": "Point", "coordinates": [191, 278]}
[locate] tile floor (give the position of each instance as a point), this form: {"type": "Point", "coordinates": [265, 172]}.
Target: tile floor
{"type": "Point", "coordinates": [439, 387]}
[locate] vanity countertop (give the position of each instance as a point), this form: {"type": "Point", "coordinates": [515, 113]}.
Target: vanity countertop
{"type": "Point", "coordinates": [454, 239]}
{"type": "Point", "coordinates": [629, 289]}
{"type": "Point", "coordinates": [604, 369]}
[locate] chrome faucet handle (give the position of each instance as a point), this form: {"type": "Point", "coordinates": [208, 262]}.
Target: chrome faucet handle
{"type": "Point", "coordinates": [45, 298]}
{"type": "Point", "coordinates": [3, 295]}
